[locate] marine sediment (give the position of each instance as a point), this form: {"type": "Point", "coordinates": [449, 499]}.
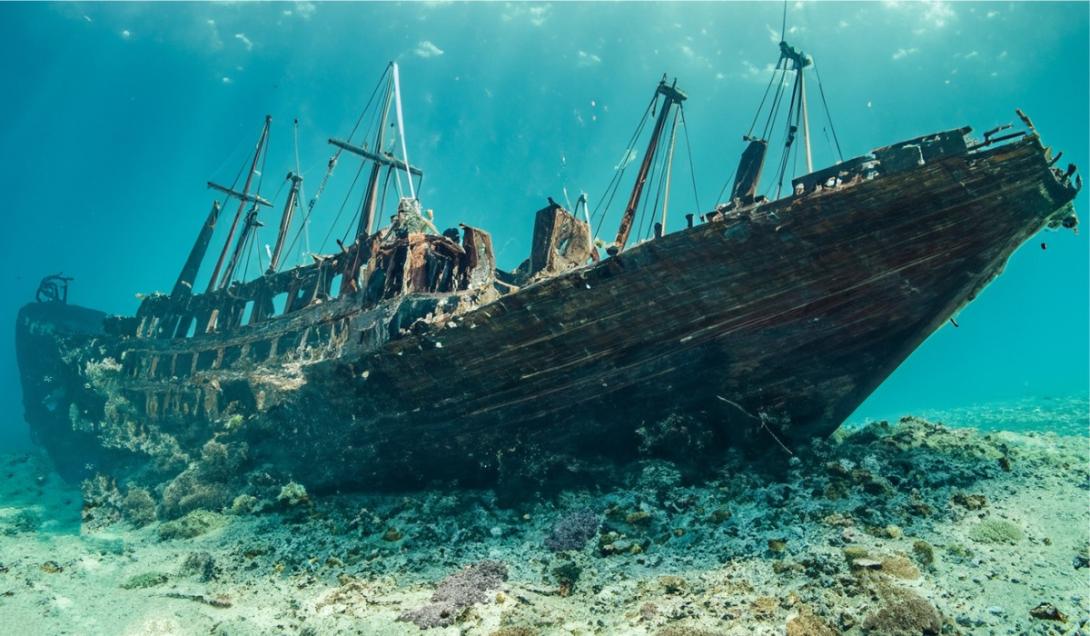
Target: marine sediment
{"type": "Point", "coordinates": [906, 527]}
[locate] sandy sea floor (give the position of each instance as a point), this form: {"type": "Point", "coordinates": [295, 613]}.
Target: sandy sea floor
{"type": "Point", "coordinates": [908, 527]}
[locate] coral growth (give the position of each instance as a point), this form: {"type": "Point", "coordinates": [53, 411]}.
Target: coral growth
{"type": "Point", "coordinates": [456, 593]}
{"type": "Point", "coordinates": [996, 531]}
{"type": "Point", "coordinates": [102, 502]}
{"type": "Point", "coordinates": [147, 579]}
{"type": "Point", "coordinates": [573, 531]}
{"type": "Point", "coordinates": [207, 483]}
{"type": "Point", "coordinates": [292, 494]}
{"type": "Point", "coordinates": [138, 507]}
{"type": "Point", "coordinates": [904, 613]}
{"type": "Point", "coordinates": [191, 525]}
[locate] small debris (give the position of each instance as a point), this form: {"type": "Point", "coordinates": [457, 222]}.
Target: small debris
{"type": "Point", "coordinates": [220, 601]}
{"type": "Point", "coordinates": [1048, 612]}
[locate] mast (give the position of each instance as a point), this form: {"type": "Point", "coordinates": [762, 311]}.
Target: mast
{"type": "Point", "coordinates": [750, 166]}
{"type": "Point", "coordinates": [285, 221]}
{"type": "Point", "coordinates": [248, 227]}
{"type": "Point", "coordinates": [184, 286]}
{"type": "Point", "coordinates": [401, 128]}
{"type": "Point", "coordinates": [370, 202]}
{"type": "Point", "coordinates": [805, 119]}
{"type": "Point", "coordinates": [671, 96]}
{"type": "Point", "coordinates": [243, 199]}
{"type": "Point", "coordinates": [669, 169]}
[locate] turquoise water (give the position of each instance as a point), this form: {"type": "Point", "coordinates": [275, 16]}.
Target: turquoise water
{"type": "Point", "coordinates": [116, 114]}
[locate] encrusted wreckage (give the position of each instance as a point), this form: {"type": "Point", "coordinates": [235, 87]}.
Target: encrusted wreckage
{"type": "Point", "coordinates": [408, 356]}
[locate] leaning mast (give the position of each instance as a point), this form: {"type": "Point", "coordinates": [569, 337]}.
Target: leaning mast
{"type": "Point", "coordinates": [244, 198]}
{"type": "Point", "coordinates": [673, 96]}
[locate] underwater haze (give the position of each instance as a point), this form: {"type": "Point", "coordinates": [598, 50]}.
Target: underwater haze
{"type": "Point", "coordinates": [955, 500]}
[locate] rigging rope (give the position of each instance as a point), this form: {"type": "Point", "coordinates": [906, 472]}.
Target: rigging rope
{"type": "Point", "coordinates": [764, 97]}
{"type": "Point", "coordinates": [331, 164]}
{"type": "Point", "coordinates": [332, 225]}
{"type": "Point", "coordinates": [602, 208]}
{"type": "Point", "coordinates": [655, 171]}
{"type": "Point", "coordinates": [828, 113]}
{"type": "Point", "coordinates": [689, 152]}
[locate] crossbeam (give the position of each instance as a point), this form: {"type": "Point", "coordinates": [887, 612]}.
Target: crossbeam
{"type": "Point", "coordinates": [385, 159]}
{"type": "Point", "coordinates": [249, 198]}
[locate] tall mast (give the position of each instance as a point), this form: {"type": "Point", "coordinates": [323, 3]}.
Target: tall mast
{"type": "Point", "coordinates": [669, 168]}
{"type": "Point", "coordinates": [285, 221]}
{"type": "Point", "coordinates": [401, 128]}
{"type": "Point", "coordinates": [805, 121]}
{"type": "Point", "coordinates": [672, 96]}
{"type": "Point", "coordinates": [184, 286]}
{"type": "Point", "coordinates": [243, 199]}
{"type": "Point", "coordinates": [370, 202]}
{"type": "Point", "coordinates": [800, 61]}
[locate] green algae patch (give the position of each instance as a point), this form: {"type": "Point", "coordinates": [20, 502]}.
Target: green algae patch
{"type": "Point", "coordinates": [147, 579]}
{"type": "Point", "coordinates": [192, 525]}
{"type": "Point", "coordinates": [996, 531]}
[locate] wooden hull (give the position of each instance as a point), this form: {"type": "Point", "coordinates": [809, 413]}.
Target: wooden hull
{"type": "Point", "coordinates": [767, 326]}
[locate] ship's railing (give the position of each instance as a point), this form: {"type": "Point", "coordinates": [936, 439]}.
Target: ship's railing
{"type": "Point", "coordinates": [368, 271]}
{"type": "Point", "coordinates": [891, 159]}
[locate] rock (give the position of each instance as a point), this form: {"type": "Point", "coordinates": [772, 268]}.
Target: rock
{"type": "Point", "coordinates": [573, 531]}
{"type": "Point", "coordinates": [191, 525]}
{"type": "Point", "coordinates": [147, 579]}
{"type": "Point", "coordinates": [243, 505]}
{"type": "Point", "coordinates": [969, 502]}
{"type": "Point", "coordinates": [719, 515]}
{"type": "Point", "coordinates": [515, 630]}
{"type": "Point", "coordinates": [566, 575]}
{"type": "Point", "coordinates": [923, 553]}
{"type": "Point", "coordinates": [853, 552]}
{"type": "Point", "coordinates": [1081, 560]}
{"type": "Point", "coordinates": [52, 567]}
{"type": "Point", "coordinates": [672, 584]}
{"type": "Point", "coordinates": [200, 564]}
{"type": "Point", "coordinates": [1048, 612]}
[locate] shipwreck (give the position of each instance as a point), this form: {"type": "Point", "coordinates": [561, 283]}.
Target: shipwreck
{"type": "Point", "coordinates": [407, 356]}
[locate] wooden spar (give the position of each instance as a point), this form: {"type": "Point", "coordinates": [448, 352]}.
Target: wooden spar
{"type": "Point", "coordinates": [671, 96]}
{"type": "Point", "coordinates": [249, 198]}
{"type": "Point", "coordinates": [248, 227]}
{"type": "Point", "coordinates": [241, 205]}
{"type": "Point", "coordinates": [669, 169]}
{"type": "Point", "coordinates": [384, 158]}
{"type": "Point", "coordinates": [370, 202]}
{"type": "Point", "coordinates": [285, 221]}
{"type": "Point", "coordinates": [805, 122]}
{"type": "Point", "coordinates": [401, 126]}
{"type": "Point", "coordinates": [184, 286]}
{"type": "Point", "coordinates": [801, 61]}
